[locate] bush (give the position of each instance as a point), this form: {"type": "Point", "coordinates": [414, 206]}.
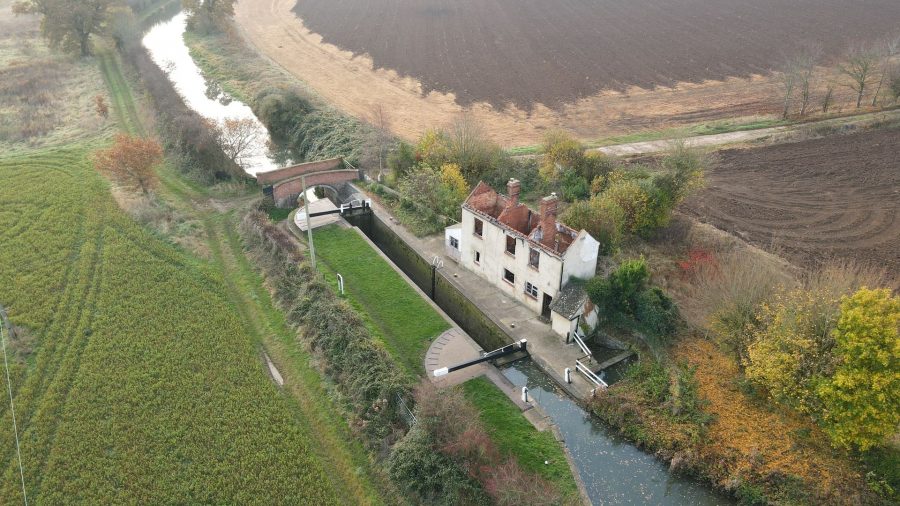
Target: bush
{"type": "Point", "coordinates": [791, 348]}
{"type": "Point", "coordinates": [625, 297]}
{"type": "Point", "coordinates": [617, 294]}
{"type": "Point", "coordinates": [401, 160]}
{"type": "Point", "coordinates": [428, 475]}
{"type": "Point", "coordinates": [656, 312]}
{"type": "Point", "coordinates": [572, 186]}
{"type": "Point", "coordinates": [560, 151]}
{"type": "Point", "coordinates": [308, 130]}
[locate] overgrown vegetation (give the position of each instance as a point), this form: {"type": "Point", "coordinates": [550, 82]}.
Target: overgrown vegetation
{"type": "Point", "coordinates": [626, 298]}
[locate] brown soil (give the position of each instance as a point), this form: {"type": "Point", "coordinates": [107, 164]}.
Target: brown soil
{"type": "Point", "coordinates": [524, 52]}
{"type": "Point", "coordinates": [354, 84]}
{"type": "Point", "coordinates": [832, 198]}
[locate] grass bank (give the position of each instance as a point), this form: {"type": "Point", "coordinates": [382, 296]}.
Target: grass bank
{"type": "Point", "coordinates": [395, 312]}
{"type": "Point", "coordinates": [536, 451]}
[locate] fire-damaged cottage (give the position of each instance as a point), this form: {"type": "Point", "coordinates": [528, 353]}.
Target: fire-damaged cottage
{"type": "Point", "coordinates": [528, 255]}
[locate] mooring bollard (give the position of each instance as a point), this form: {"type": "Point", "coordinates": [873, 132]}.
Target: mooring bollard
{"type": "Point", "coordinates": [341, 283]}
{"type": "Point", "coordinates": [568, 375]}
{"type": "Point", "coordinates": [525, 394]}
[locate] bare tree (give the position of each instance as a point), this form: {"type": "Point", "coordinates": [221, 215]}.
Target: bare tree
{"type": "Point", "coordinates": [828, 98]}
{"type": "Point", "coordinates": [861, 62]}
{"type": "Point", "coordinates": [798, 73]}
{"type": "Point", "coordinates": [788, 80]}
{"type": "Point", "coordinates": [380, 140]}
{"type": "Point", "coordinates": [236, 137]}
{"type": "Point", "coordinates": [888, 49]}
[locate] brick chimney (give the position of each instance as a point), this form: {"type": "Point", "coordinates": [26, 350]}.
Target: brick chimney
{"type": "Point", "coordinates": [513, 187]}
{"type": "Point", "coordinates": [548, 220]}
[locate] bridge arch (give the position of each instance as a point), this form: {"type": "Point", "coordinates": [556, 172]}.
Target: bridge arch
{"type": "Point", "coordinates": [285, 185]}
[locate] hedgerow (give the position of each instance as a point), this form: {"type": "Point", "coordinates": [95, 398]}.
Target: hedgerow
{"type": "Point", "coordinates": [143, 386]}
{"type": "Point", "coordinates": [360, 367]}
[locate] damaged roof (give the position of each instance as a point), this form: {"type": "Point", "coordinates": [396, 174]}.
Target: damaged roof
{"type": "Point", "coordinates": [518, 219]}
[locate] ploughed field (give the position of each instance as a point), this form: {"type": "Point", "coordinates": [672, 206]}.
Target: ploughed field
{"type": "Point", "coordinates": [832, 198]}
{"type": "Point", "coordinates": [557, 51]}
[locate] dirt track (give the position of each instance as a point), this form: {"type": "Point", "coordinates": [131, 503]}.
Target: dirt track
{"type": "Point", "coordinates": [836, 197]}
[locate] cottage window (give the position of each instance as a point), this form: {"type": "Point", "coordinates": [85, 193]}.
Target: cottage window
{"type": "Point", "coordinates": [511, 245]}
{"type": "Point", "coordinates": [509, 276]}
{"type": "Point", "coordinates": [531, 289]}
{"type": "Point", "coordinates": [477, 257]}
{"type": "Point", "coordinates": [534, 258]}
{"type": "Point", "coordinates": [479, 227]}
{"type": "Point", "coordinates": [454, 243]}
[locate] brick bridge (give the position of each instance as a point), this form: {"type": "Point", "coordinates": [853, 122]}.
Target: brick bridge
{"type": "Point", "coordinates": [285, 185]}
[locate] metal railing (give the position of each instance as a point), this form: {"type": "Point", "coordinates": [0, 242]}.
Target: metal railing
{"type": "Point", "coordinates": [406, 412]}
{"type": "Point", "coordinates": [589, 374]}
{"type": "Point", "coordinates": [580, 343]}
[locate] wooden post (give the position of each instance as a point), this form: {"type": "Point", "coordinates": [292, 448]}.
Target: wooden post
{"type": "Point", "coordinates": [312, 248]}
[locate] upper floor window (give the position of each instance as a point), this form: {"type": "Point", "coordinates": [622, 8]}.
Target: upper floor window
{"type": "Point", "coordinates": [534, 258]}
{"type": "Point", "coordinates": [479, 227]}
{"type": "Point", "coordinates": [511, 245]}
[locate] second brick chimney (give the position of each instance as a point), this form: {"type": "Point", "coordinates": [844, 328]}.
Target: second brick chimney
{"type": "Point", "coordinates": [548, 220]}
{"type": "Point", "coordinates": [513, 188]}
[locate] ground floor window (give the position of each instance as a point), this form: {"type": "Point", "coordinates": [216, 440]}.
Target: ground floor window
{"type": "Point", "coordinates": [477, 257]}
{"type": "Point", "coordinates": [531, 289]}
{"type": "Point", "coordinates": [454, 243]}
{"type": "Point", "coordinates": [509, 276]}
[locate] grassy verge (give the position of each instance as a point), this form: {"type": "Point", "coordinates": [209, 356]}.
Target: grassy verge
{"type": "Point", "coordinates": [395, 312]}
{"type": "Point", "coordinates": [517, 437]}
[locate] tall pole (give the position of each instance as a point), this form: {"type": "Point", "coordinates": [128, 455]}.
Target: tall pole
{"type": "Point", "coordinates": [4, 325]}
{"type": "Point", "coordinates": [312, 248]}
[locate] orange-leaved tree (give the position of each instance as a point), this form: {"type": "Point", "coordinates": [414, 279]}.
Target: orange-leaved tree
{"type": "Point", "coordinates": [130, 161]}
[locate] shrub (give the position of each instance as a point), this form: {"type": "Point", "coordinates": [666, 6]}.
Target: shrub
{"type": "Point", "coordinates": [401, 160]}
{"type": "Point", "coordinates": [656, 312]}
{"type": "Point", "coordinates": [860, 401]}
{"type": "Point", "coordinates": [601, 217]}
{"type": "Point", "coordinates": [560, 151]}
{"type": "Point", "coordinates": [791, 349]}
{"type": "Point", "coordinates": [572, 186]}
{"type": "Point", "coordinates": [428, 475]}
{"type": "Point", "coordinates": [617, 294]}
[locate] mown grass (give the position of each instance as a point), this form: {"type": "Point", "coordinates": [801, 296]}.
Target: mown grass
{"type": "Point", "coordinates": [144, 386]}
{"type": "Point", "coordinates": [517, 437]}
{"type": "Point", "coordinates": [395, 312]}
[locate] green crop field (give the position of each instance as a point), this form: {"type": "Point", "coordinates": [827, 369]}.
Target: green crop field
{"type": "Point", "coordinates": [394, 311]}
{"type": "Point", "coordinates": [516, 436]}
{"type": "Point", "coordinates": [141, 385]}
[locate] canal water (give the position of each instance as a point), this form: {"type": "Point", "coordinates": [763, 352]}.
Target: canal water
{"type": "Point", "coordinates": [165, 43]}
{"type": "Point", "coordinates": [613, 470]}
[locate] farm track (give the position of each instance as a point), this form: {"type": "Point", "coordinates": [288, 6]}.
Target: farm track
{"type": "Point", "coordinates": [326, 430]}
{"type": "Point", "coordinates": [813, 201]}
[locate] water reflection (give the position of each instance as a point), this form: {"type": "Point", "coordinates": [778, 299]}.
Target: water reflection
{"type": "Point", "coordinates": [165, 43]}
{"type": "Point", "coordinates": [613, 470]}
